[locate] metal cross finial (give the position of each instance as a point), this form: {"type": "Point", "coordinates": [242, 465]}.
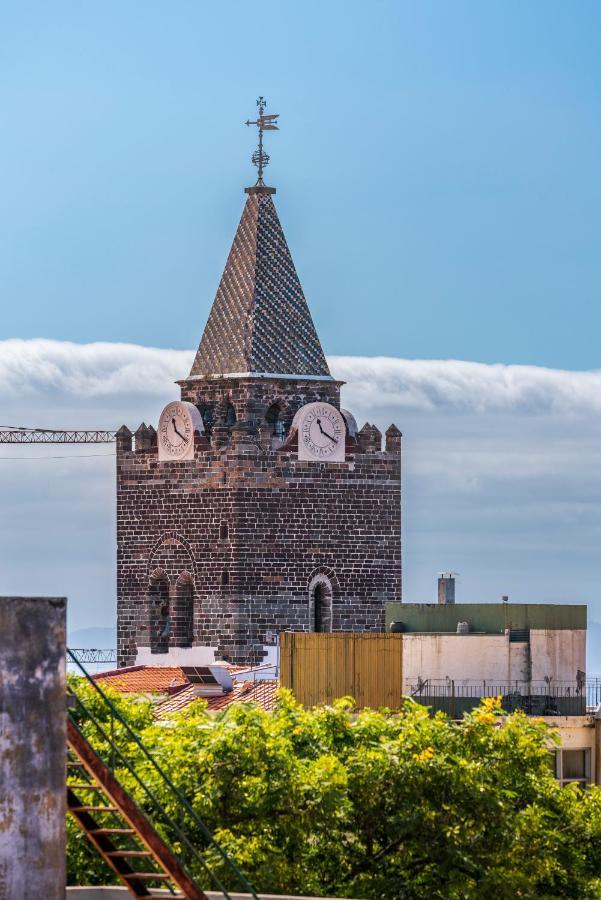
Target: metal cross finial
{"type": "Point", "coordinates": [260, 159]}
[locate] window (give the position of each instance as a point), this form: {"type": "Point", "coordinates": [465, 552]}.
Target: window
{"type": "Point", "coordinates": [573, 766]}
{"type": "Point", "coordinates": [320, 604]}
{"type": "Point", "coordinates": [224, 531]}
{"type": "Point", "coordinates": [225, 578]}
{"type": "Point", "coordinates": [230, 415]}
{"type": "Point", "coordinates": [274, 418]}
{"type": "Point", "coordinates": [160, 618]}
{"type": "Point", "coordinates": [318, 608]}
{"type": "Point", "coordinates": [183, 615]}
{"type": "Point", "coordinates": [519, 635]}
{"type": "Point", "coordinates": [207, 420]}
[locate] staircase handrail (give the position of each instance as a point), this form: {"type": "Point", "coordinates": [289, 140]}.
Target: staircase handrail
{"type": "Point", "coordinates": [165, 778]}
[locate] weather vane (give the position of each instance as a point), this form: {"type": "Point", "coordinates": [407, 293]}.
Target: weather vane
{"type": "Point", "coordinates": [260, 159]}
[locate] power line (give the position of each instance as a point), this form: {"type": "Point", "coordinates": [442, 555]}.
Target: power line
{"type": "Point", "coordinates": [28, 428]}
{"type": "Point", "coordinates": [36, 458]}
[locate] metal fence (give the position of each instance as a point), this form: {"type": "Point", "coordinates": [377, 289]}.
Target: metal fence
{"type": "Point", "coordinates": [593, 691]}
{"type": "Point", "coordinates": [536, 698]}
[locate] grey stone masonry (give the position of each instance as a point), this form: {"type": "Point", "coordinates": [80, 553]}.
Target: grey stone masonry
{"type": "Point", "coordinates": [252, 398]}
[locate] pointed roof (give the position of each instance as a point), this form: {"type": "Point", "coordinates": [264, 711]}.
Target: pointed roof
{"type": "Point", "coordinates": [260, 322]}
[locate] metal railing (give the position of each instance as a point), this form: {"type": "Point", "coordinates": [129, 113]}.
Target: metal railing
{"type": "Point", "coordinates": [175, 827]}
{"type": "Point", "coordinates": [536, 698]}
{"type": "Point", "coordinates": [91, 655]}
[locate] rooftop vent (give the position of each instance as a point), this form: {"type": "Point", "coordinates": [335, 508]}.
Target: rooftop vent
{"type": "Point", "coordinates": [519, 635]}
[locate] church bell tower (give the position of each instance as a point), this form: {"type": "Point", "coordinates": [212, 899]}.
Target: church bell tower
{"type": "Point", "coordinates": [256, 506]}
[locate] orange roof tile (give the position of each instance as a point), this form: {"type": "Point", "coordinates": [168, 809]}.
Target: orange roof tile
{"type": "Point", "coordinates": [143, 679]}
{"type": "Point", "coordinates": [263, 693]}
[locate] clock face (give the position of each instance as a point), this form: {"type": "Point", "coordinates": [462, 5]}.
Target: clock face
{"type": "Point", "coordinates": [178, 422]}
{"type": "Point", "coordinates": [321, 433]}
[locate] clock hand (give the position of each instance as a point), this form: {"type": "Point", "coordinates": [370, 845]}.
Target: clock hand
{"type": "Point", "coordinates": [177, 432]}
{"type": "Point", "coordinates": [325, 433]}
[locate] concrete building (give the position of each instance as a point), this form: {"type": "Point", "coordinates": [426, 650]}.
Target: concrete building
{"type": "Point", "coordinates": [578, 758]}
{"type": "Point", "coordinates": [463, 651]}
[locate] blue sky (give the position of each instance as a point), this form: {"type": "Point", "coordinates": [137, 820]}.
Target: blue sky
{"type": "Point", "coordinates": [437, 170]}
{"type": "Point", "coordinates": [438, 175]}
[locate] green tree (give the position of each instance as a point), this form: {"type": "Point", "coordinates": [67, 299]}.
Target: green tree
{"type": "Point", "coordinates": [374, 804]}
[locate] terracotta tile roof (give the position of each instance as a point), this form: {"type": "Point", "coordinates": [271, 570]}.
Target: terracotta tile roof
{"type": "Point", "coordinates": [143, 679]}
{"type": "Point", "coordinates": [178, 700]}
{"type": "Point", "coordinates": [263, 693]}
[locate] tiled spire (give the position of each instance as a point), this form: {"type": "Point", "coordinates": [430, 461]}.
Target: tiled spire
{"type": "Point", "coordinates": [260, 321]}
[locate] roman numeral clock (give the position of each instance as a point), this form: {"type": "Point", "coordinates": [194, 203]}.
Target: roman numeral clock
{"type": "Point", "coordinates": [321, 432]}
{"type": "Point", "coordinates": [175, 435]}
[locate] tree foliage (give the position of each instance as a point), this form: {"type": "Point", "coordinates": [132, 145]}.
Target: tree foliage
{"type": "Point", "coordinates": [376, 804]}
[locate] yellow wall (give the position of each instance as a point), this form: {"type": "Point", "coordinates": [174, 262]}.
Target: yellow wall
{"type": "Point", "coordinates": [318, 668]}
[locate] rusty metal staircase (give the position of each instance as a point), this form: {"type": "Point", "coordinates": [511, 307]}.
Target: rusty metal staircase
{"type": "Point", "coordinates": [147, 850]}
{"type": "Point", "coordinates": [117, 829]}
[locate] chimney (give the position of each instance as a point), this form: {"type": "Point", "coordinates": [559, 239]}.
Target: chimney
{"type": "Point", "coordinates": [446, 588]}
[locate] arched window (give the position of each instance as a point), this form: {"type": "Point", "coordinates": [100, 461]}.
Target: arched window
{"type": "Point", "coordinates": [274, 418]}
{"type": "Point", "coordinates": [160, 617]}
{"type": "Point", "coordinates": [182, 624]}
{"type": "Point", "coordinates": [320, 610]}
{"type": "Point", "coordinates": [207, 419]}
{"type": "Point", "coordinates": [230, 415]}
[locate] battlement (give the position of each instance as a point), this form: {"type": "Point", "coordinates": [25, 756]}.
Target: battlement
{"type": "Point", "coordinates": [250, 532]}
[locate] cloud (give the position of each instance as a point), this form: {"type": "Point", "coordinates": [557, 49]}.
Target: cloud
{"type": "Point", "coordinates": [108, 369]}
{"type": "Point", "coordinates": [93, 370]}
{"type": "Point", "coordinates": [468, 386]}
{"type": "Point", "coordinates": [500, 470]}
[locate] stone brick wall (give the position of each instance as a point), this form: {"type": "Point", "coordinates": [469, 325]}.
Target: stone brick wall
{"type": "Point", "coordinates": [252, 397]}
{"type": "Point", "coordinates": [289, 525]}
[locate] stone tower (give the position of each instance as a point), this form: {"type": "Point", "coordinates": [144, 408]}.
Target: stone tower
{"type": "Point", "coordinates": [247, 534]}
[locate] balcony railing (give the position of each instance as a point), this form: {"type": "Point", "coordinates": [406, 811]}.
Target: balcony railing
{"type": "Point", "coordinates": [593, 691]}
{"type": "Point", "coordinates": [535, 698]}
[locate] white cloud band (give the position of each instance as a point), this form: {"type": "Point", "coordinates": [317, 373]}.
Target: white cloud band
{"type": "Point", "coordinates": [500, 469]}
{"type": "Point", "coordinates": [105, 369]}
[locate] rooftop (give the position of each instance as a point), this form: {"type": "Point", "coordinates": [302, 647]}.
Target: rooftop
{"type": "Point", "coordinates": [179, 692]}
{"type": "Point", "coordinates": [485, 618]}
{"type": "Point", "coordinates": [263, 693]}
{"type": "Point", "coordinates": [260, 321]}
{"type": "Point", "coordinates": [143, 679]}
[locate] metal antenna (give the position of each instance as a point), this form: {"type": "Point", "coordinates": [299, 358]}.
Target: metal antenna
{"type": "Point", "coordinates": [260, 159]}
